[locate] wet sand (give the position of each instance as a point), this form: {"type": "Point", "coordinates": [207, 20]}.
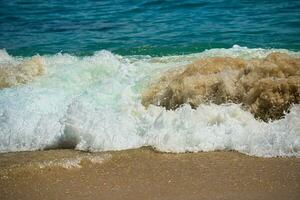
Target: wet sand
{"type": "Point", "coordinates": [146, 174]}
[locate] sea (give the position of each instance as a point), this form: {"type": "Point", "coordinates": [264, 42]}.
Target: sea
{"type": "Point", "coordinates": [100, 55]}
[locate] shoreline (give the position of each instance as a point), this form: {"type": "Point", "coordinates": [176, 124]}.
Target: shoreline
{"type": "Point", "coordinates": [146, 174]}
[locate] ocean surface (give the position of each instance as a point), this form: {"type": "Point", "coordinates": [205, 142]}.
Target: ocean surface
{"type": "Point", "coordinates": [98, 56]}
{"type": "Point", "coordinates": [148, 27]}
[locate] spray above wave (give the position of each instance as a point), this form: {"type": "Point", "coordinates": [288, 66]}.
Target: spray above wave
{"type": "Point", "coordinates": [94, 103]}
{"type": "Point", "coordinates": [266, 87]}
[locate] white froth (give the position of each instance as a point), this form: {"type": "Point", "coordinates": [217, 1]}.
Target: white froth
{"type": "Point", "coordinates": [93, 103]}
{"type": "Point", "coordinates": [69, 163]}
{"type": "Point", "coordinates": [225, 127]}
{"type": "Point", "coordinates": [4, 57]}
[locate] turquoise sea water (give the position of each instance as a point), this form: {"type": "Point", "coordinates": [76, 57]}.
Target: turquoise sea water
{"type": "Point", "coordinates": [149, 27]}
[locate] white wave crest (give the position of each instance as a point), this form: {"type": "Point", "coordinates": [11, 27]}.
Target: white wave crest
{"type": "Point", "coordinates": [93, 103]}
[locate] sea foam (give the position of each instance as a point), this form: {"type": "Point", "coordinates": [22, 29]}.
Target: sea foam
{"type": "Point", "coordinates": [12, 74]}
{"type": "Point", "coordinates": [93, 103]}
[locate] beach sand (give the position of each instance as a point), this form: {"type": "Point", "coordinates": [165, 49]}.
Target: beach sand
{"type": "Point", "coordinates": [146, 174]}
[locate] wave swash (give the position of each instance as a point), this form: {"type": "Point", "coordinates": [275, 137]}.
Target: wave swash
{"type": "Point", "coordinates": [239, 99]}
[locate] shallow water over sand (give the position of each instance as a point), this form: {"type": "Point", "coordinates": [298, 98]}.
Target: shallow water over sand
{"type": "Point", "coordinates": [143, 173]}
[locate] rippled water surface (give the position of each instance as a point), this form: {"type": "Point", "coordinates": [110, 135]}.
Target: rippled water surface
{"type": "Point", "coordinates": [152, 27]}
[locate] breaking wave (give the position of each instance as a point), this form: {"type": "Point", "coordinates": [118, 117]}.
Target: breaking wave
{"type": "Point", "coordinates": [266, 87]}
{"type": "Point", "coordinates": [93, 103]}
{"type": "Point", "coordinates": [13, 73]}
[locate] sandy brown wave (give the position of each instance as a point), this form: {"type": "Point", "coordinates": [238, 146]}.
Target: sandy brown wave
{"type": "Point", "coordinates": [12, 75]}
{"type": "Point", "coordinates": [266, 87]}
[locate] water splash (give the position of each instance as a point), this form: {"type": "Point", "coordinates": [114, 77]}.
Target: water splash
{"type": "Point", "coordinates": [93, 103]}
